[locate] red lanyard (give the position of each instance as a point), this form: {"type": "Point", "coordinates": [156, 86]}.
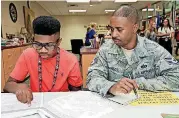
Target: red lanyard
{"type": "Point", "coordinates": [55, 73]}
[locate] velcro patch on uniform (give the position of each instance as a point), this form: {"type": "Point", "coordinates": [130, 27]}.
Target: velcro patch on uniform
{"type": "Point", "coordinates": [171, 60]}
{"type": "Point", "coordinates": [144, 66]}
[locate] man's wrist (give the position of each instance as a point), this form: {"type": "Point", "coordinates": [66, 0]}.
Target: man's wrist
{"type": "Point", "coordinates": [111, 90]}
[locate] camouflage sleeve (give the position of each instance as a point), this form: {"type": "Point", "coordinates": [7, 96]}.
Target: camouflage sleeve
{"type": "Point", "coordinates": [98, 74]}
{"type": "Point", "coordinates": [166, 72]}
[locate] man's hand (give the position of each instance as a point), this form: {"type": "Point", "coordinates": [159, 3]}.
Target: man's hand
{"type": "Point", "coordinates": [125, 85]}
{"type": "Point", "coordinates": [24, 94]}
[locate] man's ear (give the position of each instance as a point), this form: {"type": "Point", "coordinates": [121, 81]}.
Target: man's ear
{"type": "Point", "coordinates": [135, 28]}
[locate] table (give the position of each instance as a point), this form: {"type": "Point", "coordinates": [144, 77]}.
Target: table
{"type": "Point", "coordinates": [89, 100]}
{"type": "Point", "coordinates": [9, 57]}
{"type": "Point", "coordinates": [87, 55]}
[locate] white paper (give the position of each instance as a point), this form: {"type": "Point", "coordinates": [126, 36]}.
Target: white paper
{"type": "Point", "coordinates": [30, 113]}
{"type": "Point", "coordinates": [124, 99]}
{"type": "Point", "coordinates": [80, 104]}
{"type": "Point", "coordinates": [42, 100]}
{"type": "Point", "coordinates": [9, 102]}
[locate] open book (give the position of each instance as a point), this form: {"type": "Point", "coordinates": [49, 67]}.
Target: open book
{"type": "Point", "coordinates": [9, 102]}
{"type": "Point", "coordinates": [12, 108]}
{"type": "Point", "coordinates": [123, 99]}
{"type": "Point", "coordinates": [146, 98]}
{"type": "Point", "coordinates": [29, 113]}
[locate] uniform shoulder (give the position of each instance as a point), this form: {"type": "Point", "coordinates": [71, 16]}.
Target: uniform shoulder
{"type": "Point", "coordinates": [150, 44]}
{"type": "Point", "coordinates": [152, 47]}
{"type": "Point", "coordinates": [108, 45]}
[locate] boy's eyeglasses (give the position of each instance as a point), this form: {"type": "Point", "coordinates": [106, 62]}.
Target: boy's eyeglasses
{"type": "Point", "coordinates": [47, 46]}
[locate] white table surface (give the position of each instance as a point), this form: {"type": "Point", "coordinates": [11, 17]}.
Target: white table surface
{"type": "Point", "coordinates": [110, 109]}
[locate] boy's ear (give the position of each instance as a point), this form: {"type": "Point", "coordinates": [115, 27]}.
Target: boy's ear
{"type": "Point", "coordinates": [59, 41]}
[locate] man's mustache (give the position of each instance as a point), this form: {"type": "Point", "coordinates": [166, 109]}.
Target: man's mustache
{"type": "Point", "coordinates": [114, 38]}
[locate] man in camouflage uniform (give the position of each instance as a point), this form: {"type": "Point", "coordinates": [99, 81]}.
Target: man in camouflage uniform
{"type": "Point", "coordinates": [130, 61]}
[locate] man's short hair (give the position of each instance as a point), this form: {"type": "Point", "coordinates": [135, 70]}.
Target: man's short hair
{"type": "Point", "coordinates": [46, 25]}
{"type": "Point", "coordinates": [129, 12]}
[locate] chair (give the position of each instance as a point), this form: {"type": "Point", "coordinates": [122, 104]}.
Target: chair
{"type": "Point", "coordinates": [100, 36]}
{"type": "Point", "coordinates": [76, 44]}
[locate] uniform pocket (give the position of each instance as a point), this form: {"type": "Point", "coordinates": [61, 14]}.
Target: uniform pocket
{"type": "Point", "coordinates": [145, 68]}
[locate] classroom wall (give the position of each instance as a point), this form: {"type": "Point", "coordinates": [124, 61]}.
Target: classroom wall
{"type": "Point", "coordinates": [8, 26]}
{"type": "Point", "coordinates": [73, 27]}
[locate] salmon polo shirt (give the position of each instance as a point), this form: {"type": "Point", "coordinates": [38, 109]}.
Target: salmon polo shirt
{"type": "Point", "coordinates": [68, 73]}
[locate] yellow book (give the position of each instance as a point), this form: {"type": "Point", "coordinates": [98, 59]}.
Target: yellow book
{"type": "Point", "coordinates": [146, 98]}
{"type": "Point", "coordinates": [153, 98]}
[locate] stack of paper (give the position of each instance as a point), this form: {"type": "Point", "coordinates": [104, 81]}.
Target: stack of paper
{"type": "Point", "coordinates": [79, 104]}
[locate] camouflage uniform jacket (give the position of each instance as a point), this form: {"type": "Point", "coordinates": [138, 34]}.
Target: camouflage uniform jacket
{"type": "Point", "coordinates": [150, 64]}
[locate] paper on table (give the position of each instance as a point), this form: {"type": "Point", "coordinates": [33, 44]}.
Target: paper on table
{"type": "Point", "coordinates": [79, 104]}
{"type": "Point", "coordinates": [151, 98]}
{"type": "Point", "coordinates": [170, 115]}
{"type": "Point", "coordinates": [19, 113]}
{"type": "Point", "coordinates": [9, 102]}
{"type": "Point", "coordinates": [29, 113]}
{"type": "Point", "coordinates": [124, 99]}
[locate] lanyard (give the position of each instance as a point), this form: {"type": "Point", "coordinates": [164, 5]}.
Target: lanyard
{"type": "Point", "coordinates": [55, 73]}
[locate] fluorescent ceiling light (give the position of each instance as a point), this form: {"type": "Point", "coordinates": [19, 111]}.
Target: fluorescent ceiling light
{"type": "Point", "coordinates": [73, 1]}
{"type": "Point", "coordinates": [77, 10]}
{"type": "Point", "coordinates": [96, 0]}
{"type": "Point", "coordinates": [125, 0]}
{"type": "Point", "coordinates": [91, 5]}
{"type": "Point", "coordinates": [109, 10]}
{"type": "Point", "coordinates": [150, 9]}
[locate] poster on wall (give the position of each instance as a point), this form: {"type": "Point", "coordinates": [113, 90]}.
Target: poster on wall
{"type": "Point", "coordinates": [29, 16]}
{"type": "Point", "coordinates": [100, 28]}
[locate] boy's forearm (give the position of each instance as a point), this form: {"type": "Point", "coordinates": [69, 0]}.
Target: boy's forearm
{"type": "Point", "coordinates": [11, 87]}
{"type": "Point", "coordinates": [73, 88]}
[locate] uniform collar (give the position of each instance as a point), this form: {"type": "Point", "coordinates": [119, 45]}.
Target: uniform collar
{"type": "Point", "coordinates": [139, 51]}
